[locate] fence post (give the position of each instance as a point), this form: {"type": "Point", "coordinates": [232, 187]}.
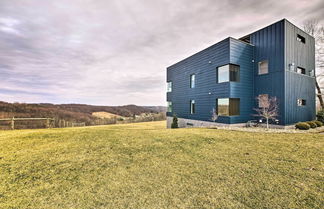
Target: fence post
{"type": "Point", "coordinates": [47, 123]}
{"type": "Point", "coordinates": [13, 123]}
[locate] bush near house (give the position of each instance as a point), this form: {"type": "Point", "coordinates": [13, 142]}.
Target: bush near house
{"type": "Point", "coordinates": [320, 116]}
{"type": "Point", "coordinates": [175, 122]}
{"type": "Point", "coordinates": [318, 123]}
{"type": "Point", "coordinates": [312, 124]}
{"type": "Point", "coordinates": [302, 126]}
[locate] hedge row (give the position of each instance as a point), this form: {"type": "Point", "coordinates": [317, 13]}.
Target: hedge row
{"type": "Point", "coordinates": [308, 124]}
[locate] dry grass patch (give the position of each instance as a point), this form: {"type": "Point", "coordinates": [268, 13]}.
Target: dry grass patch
{"type": "Point", "coordinates": [105, 115]}
{"type": "Point", "coordinates": [144, 165]}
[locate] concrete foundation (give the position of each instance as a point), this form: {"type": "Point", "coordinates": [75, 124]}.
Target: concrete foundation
{"type": "Point", "coordinates": [188, 123]}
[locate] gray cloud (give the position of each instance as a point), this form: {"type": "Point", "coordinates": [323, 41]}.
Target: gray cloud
{"type": "Point", "coordinates": [116, 52]}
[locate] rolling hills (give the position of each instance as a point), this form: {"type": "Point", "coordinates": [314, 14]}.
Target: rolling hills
{"type": "Point", "coordinates": [80, 113]}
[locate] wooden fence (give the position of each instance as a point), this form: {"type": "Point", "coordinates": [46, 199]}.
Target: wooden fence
{"type": "Point", "coordinates": [12, 123]}
{"type": "Point", "coordinates": [78, 124]}
{"type": "Point", "coordinates": [33, 123]}
{"type": "Point", "coordinates": [49, 122]}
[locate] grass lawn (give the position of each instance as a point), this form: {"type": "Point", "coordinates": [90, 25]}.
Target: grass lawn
{"type": "Point", "coordinates": [145, 165]}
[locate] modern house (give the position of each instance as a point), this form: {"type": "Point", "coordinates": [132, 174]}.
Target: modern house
{"type": "Point", "coordinates": [275, 61]}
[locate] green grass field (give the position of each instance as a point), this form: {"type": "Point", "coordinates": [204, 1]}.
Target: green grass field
{"type": "Point", "coordinates": [145, 165]}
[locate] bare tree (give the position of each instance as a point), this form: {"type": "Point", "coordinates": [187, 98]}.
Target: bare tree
{"type": "Point", "coordinates": [268, 108]}
{"type": "Point", "coordinates": [313, 28]}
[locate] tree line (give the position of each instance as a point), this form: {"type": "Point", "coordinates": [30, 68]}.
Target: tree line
{"type": "Point", "coordinates": [78, 113]}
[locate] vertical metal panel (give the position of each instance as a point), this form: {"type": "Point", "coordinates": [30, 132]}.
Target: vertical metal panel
{"type": "Point", "coordinates": [203, 64]}
{"type": "Point", "coordinates": [242, 55]}
{"type": "Point", "coordinates": [297, 85]}
{"type": "Point", "coordinates": [301, 54]}
{"type": "Point", "coordinates": [269, 45]}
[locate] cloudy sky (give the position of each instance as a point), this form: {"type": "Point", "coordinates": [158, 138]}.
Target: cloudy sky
{"type": "Point", "coordinates": [115, 52]}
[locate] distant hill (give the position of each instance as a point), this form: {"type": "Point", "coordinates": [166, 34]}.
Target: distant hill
{"type": "Point", "coordinates": [71, 112]}
{"type": "Point", "coordinates": [156, 108]}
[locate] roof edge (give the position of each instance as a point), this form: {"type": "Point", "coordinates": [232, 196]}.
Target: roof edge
{"type": "Point", "coordinates": [263, 28]}
{"type": "Point", "coordinates": [199, 52]}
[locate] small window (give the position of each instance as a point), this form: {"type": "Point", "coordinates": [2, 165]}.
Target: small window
{"type": "Point", "coordinates": [301, 38]}
{"type": "Point", "coordinates": [192, 81]}
{"type": "Point", "coordinates": [169, 87]}
{"type": "Point", "coordinates": [228, 73]}
{"type": "Point", "coordinates": [301, 102]}
{"type": "Point", "coordinates": [169, 107]}
{"type": "Point", "coordinates": [228, 106]}
{"type": "Point", "coordinates": [301, 70]}
{"type": "Point", "coordinates": [192, 107]}
{"type": "Point", "coordinates": [263, 67]}
{"type": "Point", "coordinates": [263, 100]}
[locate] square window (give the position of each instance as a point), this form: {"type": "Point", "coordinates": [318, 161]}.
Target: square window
{"type": "Point", "coordinates": [263, 101]}
{"type": "Point", "coordinates": [228, 106]}
{"type": "Point", "coordinates": [301, 102]}
{"type": "Point", "coordinates": [301, 39]}
{"type": "Point", "coordinates": [301, 70]}
{"type": "Point", "coordinates": [228, 73]}
{"type": "Point", "coordinates": [223, 107]}
{"type": "Point", "coordinates": [263, 67]}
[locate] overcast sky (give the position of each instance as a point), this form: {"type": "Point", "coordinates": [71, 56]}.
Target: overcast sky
{"type": "Point", "coordinates": [115, 52]}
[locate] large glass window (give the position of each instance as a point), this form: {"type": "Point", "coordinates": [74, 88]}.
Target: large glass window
{"type": "Point", "coordinates": [192, 107]}
{"type": "Point", "coordinates": [169, 107]}
{"type": "Point", "coordinates": [263, 67]}
{"type": "Point", "coordinates": [192, 81]}
{"type": "Point", "coordinates": [223, 74]}
{"type": "Point", "coordinates": [228, 106]}
{"type": "Point", "coordinates": [169, 86]}
{"type": "Point", "coordinates": [228, 73]}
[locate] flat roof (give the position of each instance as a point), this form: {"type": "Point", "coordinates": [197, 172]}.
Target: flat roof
{"type": "Point", "coordinates": [228, 38]}
{"type": "Point", "coordinates": [284, 19]}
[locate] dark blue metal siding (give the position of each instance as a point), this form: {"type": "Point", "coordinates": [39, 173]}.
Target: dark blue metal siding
{"type": "Point", "coordinates": [242, 55]}
{"type": "Point", "coordinates": [203, 65]}
{"type": "Point", "coordinates": [207, 90]}
{"type": "Point", "coordinates": [299, 86]}
{"type": "Point", "coordinates": [275, 43]}
{"type": "Point", "coordinates": [301, 54]}
{"type": "Point", "coordinates": [269, 45]}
